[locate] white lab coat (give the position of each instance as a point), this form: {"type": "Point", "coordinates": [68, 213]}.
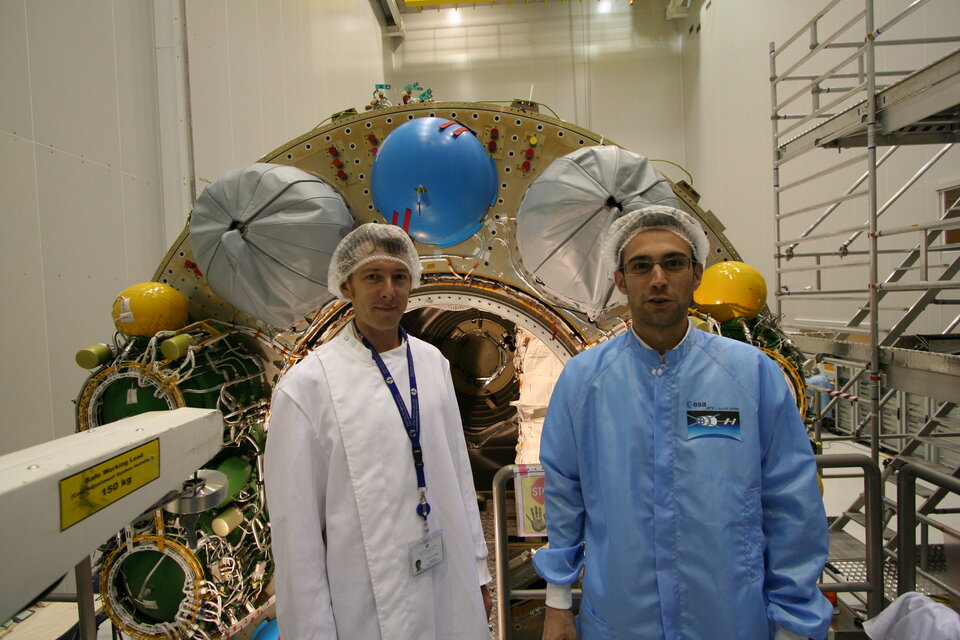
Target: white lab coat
{"type": "Point", "coordinates": [342, 496]}
{"type": "Point", "coordinates": [914, 616]}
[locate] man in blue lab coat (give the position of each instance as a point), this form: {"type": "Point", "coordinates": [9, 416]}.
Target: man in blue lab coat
{"type": "Point", "coordinates": [679, 477]}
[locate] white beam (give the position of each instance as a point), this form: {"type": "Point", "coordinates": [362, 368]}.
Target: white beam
{"type": "Point", "coordinates": [60, 500]}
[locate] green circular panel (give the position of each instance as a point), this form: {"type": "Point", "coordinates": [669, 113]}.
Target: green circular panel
{"type": "Point", "coordinates": [124, 397]}
{"type": "Point", "coordinates": [154, 584]}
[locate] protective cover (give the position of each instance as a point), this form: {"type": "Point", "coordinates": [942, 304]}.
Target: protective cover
{"type": "Point", "coordinates": [263, 236]}
{"type": "Point", "coordinates": [566, 212]}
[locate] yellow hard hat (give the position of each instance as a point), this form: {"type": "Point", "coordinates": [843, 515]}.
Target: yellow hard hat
{"type": "Point", "coordinates": [146, 308]}
{"type": "Point", "coordinates": [731, 290]}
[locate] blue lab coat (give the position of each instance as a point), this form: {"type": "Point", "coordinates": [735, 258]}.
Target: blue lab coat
{"type": "Point", "coordinates": [686, 486]}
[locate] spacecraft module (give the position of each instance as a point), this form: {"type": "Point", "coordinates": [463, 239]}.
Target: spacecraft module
{"type": "Point", "coordinates": [507, 207]}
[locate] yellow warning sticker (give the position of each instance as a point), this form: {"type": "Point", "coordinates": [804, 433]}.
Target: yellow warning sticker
{"type": "Point", "coordinates": [85, 493]}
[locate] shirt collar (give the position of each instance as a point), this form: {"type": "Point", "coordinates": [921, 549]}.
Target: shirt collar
{"type": "Point", "coordinates": [349, 336]}
{"type": "Point", "coordinates": [355, 333]}
{"type": "Point", "coordinates": [646, 346]}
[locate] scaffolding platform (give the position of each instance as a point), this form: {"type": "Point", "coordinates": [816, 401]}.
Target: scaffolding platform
{"type": "Point", "coordinates": [923, 108]}
{"type": "Point", "coordinates": [923, 372]}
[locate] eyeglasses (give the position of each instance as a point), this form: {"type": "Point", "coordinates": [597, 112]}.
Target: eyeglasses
{"type": "Point", "coordinates": [674, 264]}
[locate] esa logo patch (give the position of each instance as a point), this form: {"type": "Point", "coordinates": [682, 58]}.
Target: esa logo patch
{"type": "Point", "coordinates": [713, 424]}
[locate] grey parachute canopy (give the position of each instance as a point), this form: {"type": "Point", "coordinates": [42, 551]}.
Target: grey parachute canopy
{"type": "Point", "coordinates": [566, 212]}
{"type": "Point", "coordinates": [263, 236]}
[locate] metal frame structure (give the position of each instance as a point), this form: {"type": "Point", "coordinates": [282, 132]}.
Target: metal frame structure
{"type": "Point", "coordinates": [907, 521]}
{"type": "Point", "coordinates": [856, 108]}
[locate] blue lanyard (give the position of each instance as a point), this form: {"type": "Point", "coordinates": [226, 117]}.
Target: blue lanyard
{"type": "Point", "coordinates": [411, 420]}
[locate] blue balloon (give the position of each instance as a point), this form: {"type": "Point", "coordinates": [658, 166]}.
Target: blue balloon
{"type": "Point", "coordinates": [434, 178]}
{"type": "Point", "coordinates": [267, 630]}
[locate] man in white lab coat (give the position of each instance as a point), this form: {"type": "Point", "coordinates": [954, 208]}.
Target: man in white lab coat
{"type": "Point", "coordinates": [375, 526]}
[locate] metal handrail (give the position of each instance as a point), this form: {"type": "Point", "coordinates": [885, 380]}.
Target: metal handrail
{"type": "Point", "coordinates": [872, 510]}
{"type": "Point", "coordinates": [502, 562]}
{"type": "Point", "coordinates": [907, 520]}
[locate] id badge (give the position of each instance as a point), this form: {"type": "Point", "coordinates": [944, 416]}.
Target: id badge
{"type": "Point", "coordinates": [426, 552]}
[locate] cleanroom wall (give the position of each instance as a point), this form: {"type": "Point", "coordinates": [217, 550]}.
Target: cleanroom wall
{"type": "Point", "coordinates": [79, 194]}
{"type": "Point", "coordinates": [83, 157]}
{"type": "Point", "coordinates": [265, 71]}
{"type": "Point", "coordinates": [606, 66]}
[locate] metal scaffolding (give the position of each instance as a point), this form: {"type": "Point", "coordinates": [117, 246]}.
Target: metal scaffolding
{"type": "Point", "coordinates": [897, 388]}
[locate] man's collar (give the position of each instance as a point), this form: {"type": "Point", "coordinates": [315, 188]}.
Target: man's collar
{"type": "Point", "coordinates": [646, 346]}
{"type": "Point", "coordinates": [355, 332]}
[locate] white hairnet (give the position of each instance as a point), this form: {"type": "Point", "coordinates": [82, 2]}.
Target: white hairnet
{"type": "Point", "coordinates": [653, 218]}
{"type": "Point", "coordinates": [367, 243]}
